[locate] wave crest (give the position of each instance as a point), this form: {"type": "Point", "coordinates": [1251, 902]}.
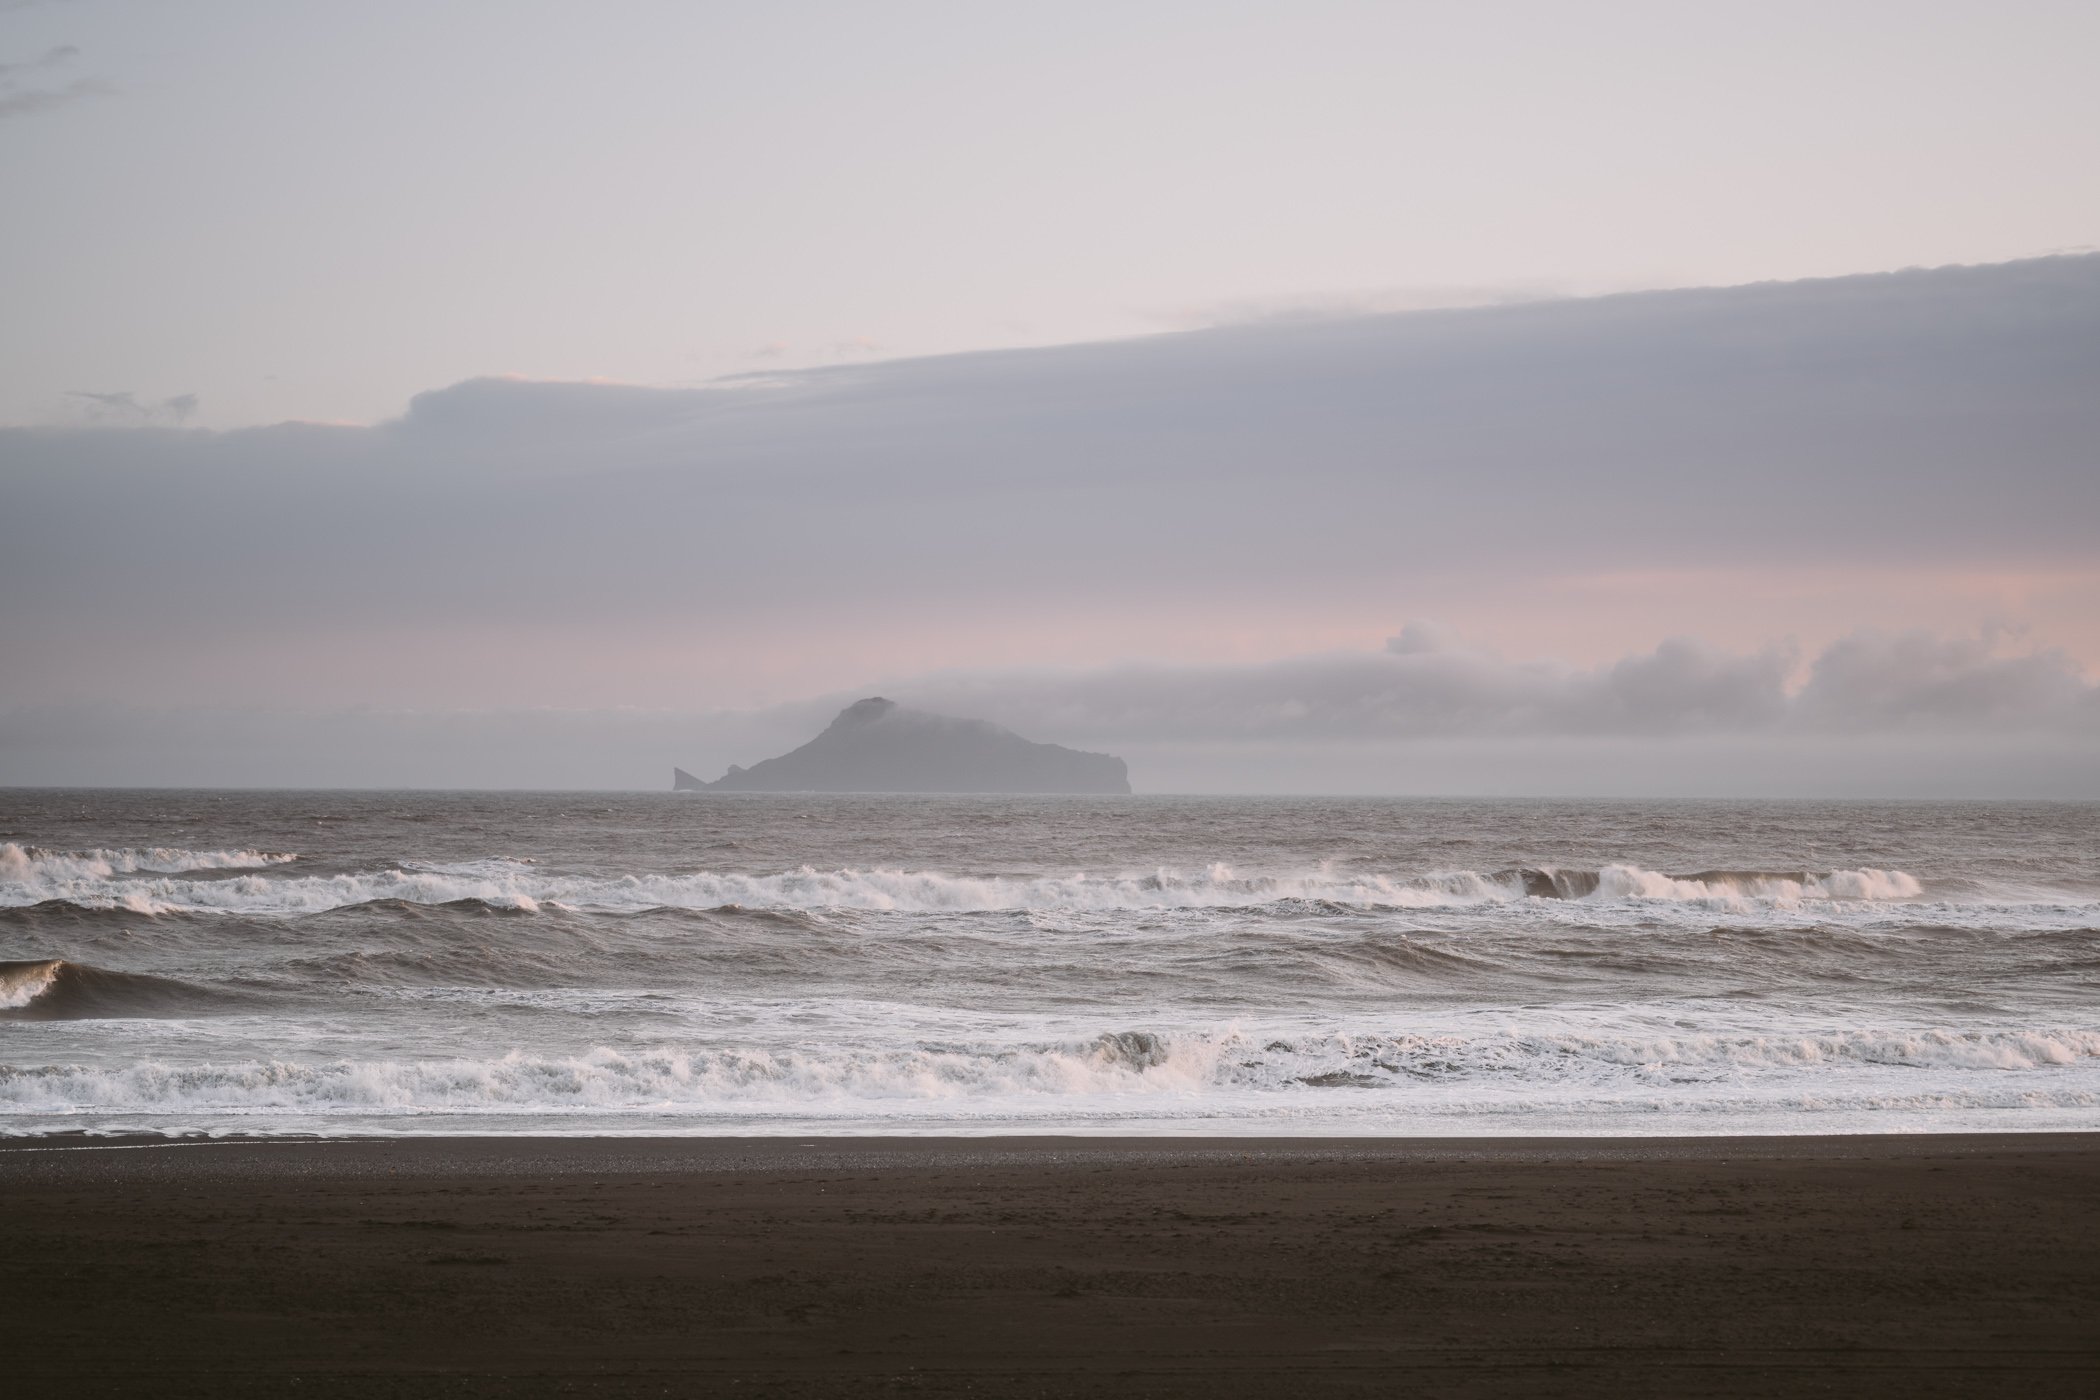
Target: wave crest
{"type": "Point", "coordinates": [517, 886]}
{"type": "Point", "coordinates": [18, 862]}
{"type": "Point", "coordinates": [55, 989]}
{"type": "Point", "coordinates": [1151, 1065]}
{"type": "Point", "coordinates": [101, 878]}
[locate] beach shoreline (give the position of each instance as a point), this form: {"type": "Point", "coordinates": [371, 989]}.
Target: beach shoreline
{"type": "Point", "coordinates": [500, 1151]}
{"type": "Point", "coordinates": [808, 1265]}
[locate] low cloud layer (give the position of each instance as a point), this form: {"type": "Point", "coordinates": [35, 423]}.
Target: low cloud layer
{"type": "Point", "coordinates": [1425, 686]}
{"type": "Point", "coordinates": [1250, 491]}
{"type": "Point", "coordinates": [1874, 714]}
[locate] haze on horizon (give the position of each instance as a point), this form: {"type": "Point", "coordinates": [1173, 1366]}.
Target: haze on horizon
{"type": "Point", "coordinates": [1372, 398]}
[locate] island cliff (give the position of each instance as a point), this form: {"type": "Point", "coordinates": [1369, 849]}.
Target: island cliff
{"type": "Point", "coordinates": [876, 745]}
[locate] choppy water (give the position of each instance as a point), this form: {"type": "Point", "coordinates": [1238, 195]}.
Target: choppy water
{"type": "Point", "coordinates": [418, 962]}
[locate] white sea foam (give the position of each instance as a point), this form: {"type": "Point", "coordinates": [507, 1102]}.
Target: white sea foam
{"type": "Point", "coordinates": [1632, 882]}
{"type": "Point", "coordinates": [1191, 1069]}
{"type": "Point", "coordinates": [519, 885]}
{"type": "Point", "coordinates": [23, 982]}
{"type": "Point", "coordinates": [32, 866]}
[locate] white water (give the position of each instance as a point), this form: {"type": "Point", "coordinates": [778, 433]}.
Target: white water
{"type": "Point", "coordinates": [97, 880]}
{"type": "Point", "coordinates": [443, 964]}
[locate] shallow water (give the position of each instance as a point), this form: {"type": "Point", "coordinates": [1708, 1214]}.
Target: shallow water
{"type": "Point", "coordinates": [517, 962]}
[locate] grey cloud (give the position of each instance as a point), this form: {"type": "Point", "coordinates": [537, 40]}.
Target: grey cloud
{"type": "Point", "coordinates": [1682, 719]}
{"type": "Point", "coordinates": [125, 408]}
{"type": "Point", "coordinates": [1342, 305]}
{"type": "Point", "coordinates": [19, 104]}
{"type": "Point", "coordinates": [15, 100]}
{"type": "Point", "coordinates": [178, 746]}
{"type": "Point", "coordinates": [1684, 685]}
{"type": "Point", "coordinates": [1943, 415]}
{"type": "Point", "coordinates": [1868, 682]}
{"type": "Point", "coordinates": [53, 58]}
{"type": "Point", "coordinates": [1916, 680]}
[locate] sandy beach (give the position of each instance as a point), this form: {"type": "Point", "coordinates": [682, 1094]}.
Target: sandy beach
{"type": "Point", "coordinates": [1943, 1265]}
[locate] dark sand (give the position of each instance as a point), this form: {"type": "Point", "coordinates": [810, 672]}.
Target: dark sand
{"type": "Point", "coordinates": [1955, 1266]}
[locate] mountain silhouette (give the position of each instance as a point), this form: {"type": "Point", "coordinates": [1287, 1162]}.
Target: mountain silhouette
{"type": "Point", "coordinates": [877, 745]}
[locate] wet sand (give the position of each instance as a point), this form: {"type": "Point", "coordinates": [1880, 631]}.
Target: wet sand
{"type": "Point", "coordinates": [1922, 1266]}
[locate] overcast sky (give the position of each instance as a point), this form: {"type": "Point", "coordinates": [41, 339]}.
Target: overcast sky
{"type": "Point", "coordinates": [319, 210]}
{"type": "Point", "coordinates": [1342, 397]}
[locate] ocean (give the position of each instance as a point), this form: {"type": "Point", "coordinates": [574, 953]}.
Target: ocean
{"type": "Point", "coordinates": [620, 963]}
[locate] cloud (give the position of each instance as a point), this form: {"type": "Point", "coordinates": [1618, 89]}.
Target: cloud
{"type": "Point", "coordinates": [53, 58]}
{"type": "Point", "coordinates": [1881, 680]}
{"type": "Point", "coordinates": [1682, 718]}
{"type": "Point", "coordinates": [124, 408]}
{"type": "Point", "coordinates": [20, 104]}
{"type": "Point", "coordinates": [853, 347]}
{"type": "Point", "coordinates": [587, 544]}
{"type": "Point", "coordinates": [1254, 311]}
{"type": "Point", "coordinates": [16, 101]}
{"type": "Point", "coordinates": [376, 746]}
{"type": "Point", "coordinates": [1428, 687]}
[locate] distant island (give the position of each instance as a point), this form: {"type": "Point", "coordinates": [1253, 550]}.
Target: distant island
{"type": "Point", "coordinates": [876, 745]}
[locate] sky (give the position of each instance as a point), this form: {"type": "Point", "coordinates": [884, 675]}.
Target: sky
{"type": "Point", "coordinates": [1325, 397]}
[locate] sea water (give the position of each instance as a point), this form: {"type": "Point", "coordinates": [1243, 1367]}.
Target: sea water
{"type": "Point", "coordinates": [337, 962]}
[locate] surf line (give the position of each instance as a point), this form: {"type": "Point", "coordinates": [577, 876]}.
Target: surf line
{"type": "Point", "coordinates": [7, 1148]}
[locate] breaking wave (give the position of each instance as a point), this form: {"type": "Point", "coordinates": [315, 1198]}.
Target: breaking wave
{"type": "Point", "coordinates": [25, 864]}
{"type": "Point", "coordinates": [1185, 1066]}
{"type": "Point", "coordinates": [520, 886]}
{"type": "Point", "coordinates": [54, 989]}
{"type": "Point", "coordinates": [103, 879]}
{"type": "Point", "coordinates": [1716, 886]}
